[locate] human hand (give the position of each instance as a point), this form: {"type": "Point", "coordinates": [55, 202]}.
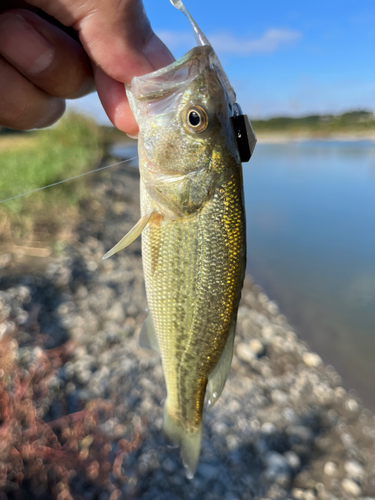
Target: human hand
{"type": "Point", "coordinates": [41, 65]}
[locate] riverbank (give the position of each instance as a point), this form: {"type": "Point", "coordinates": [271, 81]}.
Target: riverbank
{"type": "Point", "coordinates": [282, 138]}
{"type": "Point", "coordinates": [283, 428]}
{"type": "Point", "coordinates": [33, 160]}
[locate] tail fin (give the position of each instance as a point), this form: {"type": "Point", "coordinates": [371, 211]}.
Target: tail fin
{"type": "Point", "coordinates": [189, 442]}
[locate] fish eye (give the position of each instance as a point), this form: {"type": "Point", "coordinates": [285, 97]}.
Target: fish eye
{"type": "Point", "coordinates": [196, 119]}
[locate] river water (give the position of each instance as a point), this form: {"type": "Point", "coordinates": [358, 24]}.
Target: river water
{"type": "Point", "coordinates": [310, 209]}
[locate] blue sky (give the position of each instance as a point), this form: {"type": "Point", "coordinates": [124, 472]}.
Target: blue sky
{"type": "Point", "coordinates": [282, 58]}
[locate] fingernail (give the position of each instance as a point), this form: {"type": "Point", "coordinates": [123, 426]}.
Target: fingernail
{"type": "Point", "coordinates": [22, 45]}
{"type": "Point", "coordinates": [157, 54]}
{"type": "Point", "coordinates": [132, 136]}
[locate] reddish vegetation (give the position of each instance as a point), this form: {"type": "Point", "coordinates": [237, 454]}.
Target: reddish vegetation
{"type": "Point", "coordinates": [46, 456]}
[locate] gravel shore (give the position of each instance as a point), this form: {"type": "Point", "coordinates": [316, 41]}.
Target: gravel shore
{"type": "Point", "coordinates": [284, 427]}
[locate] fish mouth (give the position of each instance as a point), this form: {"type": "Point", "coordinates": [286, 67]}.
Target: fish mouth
{"type": "Point", "coordinates": [171, 78]}
{"type": "Point", "coordinates": [178, 74]}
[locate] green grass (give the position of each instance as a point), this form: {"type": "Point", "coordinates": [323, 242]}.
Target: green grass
{"type": "Point", "coordinates": [348, 123]}
{"type": "Point", "coordinates": [36, 159]}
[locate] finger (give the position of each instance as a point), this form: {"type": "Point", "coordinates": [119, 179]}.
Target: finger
{"type": "Point", "coordinates": [113, 98]}
{"type": "Point", "coordinates": [119, 40]}
{"type": "Point", "coordinates": [45, 55]}
{"type": "Point", "coordinates": [24, 106]}
{"type": "Point", "coordinates": [115, 34]}
{"type": "Point", "coordinates": [112, 93]}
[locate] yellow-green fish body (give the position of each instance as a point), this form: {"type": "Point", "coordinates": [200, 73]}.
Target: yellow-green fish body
{"type": "Point", "coordinates": [193, 233]}
{"type": "Point", "coordinates": [194, 249]}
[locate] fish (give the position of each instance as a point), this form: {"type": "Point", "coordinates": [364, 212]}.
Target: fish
{"type": "Point", "coordinates": [193, 230]}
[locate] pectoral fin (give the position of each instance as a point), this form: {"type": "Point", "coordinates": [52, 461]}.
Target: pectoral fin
{"type": "Point", "coordinates": [131, 236]}
{"type": "Point", "coordinates": [147, 337]}
{"type": "Point", "coordinates": [219, 375]}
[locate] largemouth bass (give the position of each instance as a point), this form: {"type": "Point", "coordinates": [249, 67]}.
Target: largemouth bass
{"type": "Point", "coordinates": [193, 231]}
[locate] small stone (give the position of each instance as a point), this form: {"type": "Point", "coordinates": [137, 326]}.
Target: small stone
{"type": "Point", "coordinates": [272, 308]}
{"type": "Point", "coordinates": [293, 460]}
{"type": "Point", "coordinates": [169, 466]}
{"type": "Point", "coordinates": [279, 397]}
{"type": "Point", "coordinates": [219, 428]}
{"type": "Point", "coordinates": [92, 266]}
{"type": "Point", "coordinates": [300, 433]}
{"type": "Point", "coordinates": [4, 260]}
{"type": "Point", "coordinates": [268, 428]}
{"type": "Point", "coordinates": [330, 468]}
{"type": "Point", "coordinates": [245, 353]}
{"type": "Point", "coordinates": [297, 493]}
{"type": "Point", "coordinates": [311, 359]}
{"type": "Point", "coordinates": [351, 405]}
{"type": "Point", "coordinates": [309, 495]}
{"type": "Point", "coordinates": [277, 468]}
{"type": "Point", "coordinates": [208, 471]}
{"type": "Point", "coordinates": [354, 469]}
{"type": "Point", "coordinates": [351, 487]}
{"type": "Point", "coordinates": [268, 332]}
{"type": "Point", "coordinates": [80, 352]}
{"type": "Point", "coordinates": [256, 346]}
{"type": "Point", "coordinates": [232, 441]}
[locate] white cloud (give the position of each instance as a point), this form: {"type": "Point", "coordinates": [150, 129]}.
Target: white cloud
{"type": "Point", "coordinates": [225, 43]}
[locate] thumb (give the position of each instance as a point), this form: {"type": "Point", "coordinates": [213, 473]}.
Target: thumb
{"type": "Point", "coordinates": [118, 38]}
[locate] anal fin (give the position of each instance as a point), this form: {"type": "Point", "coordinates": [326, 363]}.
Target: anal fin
{"type": "Point", "coordinates": [131, 236]}
{"type": "Point", "coordinates": [219, 375]}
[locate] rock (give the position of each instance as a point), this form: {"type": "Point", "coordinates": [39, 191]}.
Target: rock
{"type": "Point", "coordinates": [219, 428]}
{"type": "Point", "coordinates": [256, 346]}
{"type": "Point", "coordinates": [293, 460]}
{"type": "Point", "coordinates": [351, 405]}
{"type": "Point", "coordinates": [309, 495]}
{"type": "Point", "coordinates": [330, 469]}
{"type": "Point", "coordinates": [169, 466]}
{"type": "Point", "coordinates": [268, 332]}
{"type": "Point", "coordinates": [351, 487]}
{"type": "Point", "coordinates": [299, 433]}
{"type": "Point", "coordinates": [272, 308]}
{"type": "Point", "coordinates": [4, 260]}
{"type": "Point", "coordinates": [279, 397]}
{"type": "Point", "coordinates": [277, 469]}
{"type": "Point", "coordinates": [245, 353]}
{"type": "Point", "coordinates": [312, 359]}
{"type": "Point", "coordinates": [297, 493]}
{"type": "Point", "coordinates": [268, 428]}
{"type": "Point", "coordinates": [208, 471]}
{"type": "Point", "coordinates": [354, 469]}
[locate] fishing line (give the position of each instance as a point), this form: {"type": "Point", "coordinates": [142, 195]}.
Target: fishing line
{"type": "Point", "coordinates": [66, 180]}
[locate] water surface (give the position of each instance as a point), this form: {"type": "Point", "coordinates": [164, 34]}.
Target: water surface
{"type": "Point", "coordinates": [310, 211]}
